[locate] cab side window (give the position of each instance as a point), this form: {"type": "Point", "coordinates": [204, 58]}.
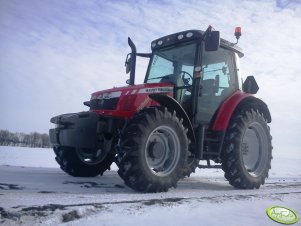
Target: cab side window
{"type": "Point", "coordinates": [218, 67]}
{"type": "Point", "coordinates": [218, 82]}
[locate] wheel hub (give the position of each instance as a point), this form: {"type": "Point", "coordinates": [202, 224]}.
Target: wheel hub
{"type": "Point", "coordinates": [156, 150]}
{"type": "Point", "coordinates": [91, 156]}
{"type": "Point", "coordinates": [162, 150]}
{"type": "Point", "coordinates": [253, 149]}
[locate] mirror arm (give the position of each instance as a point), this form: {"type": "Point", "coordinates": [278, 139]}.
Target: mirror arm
{"type": "Point", "coordinates": [148, 55]}
{"type": "Point", "coordinates": [209, 29]}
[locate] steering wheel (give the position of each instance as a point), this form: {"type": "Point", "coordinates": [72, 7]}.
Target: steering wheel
{"type": "Point", "coordinates": [186, 80]}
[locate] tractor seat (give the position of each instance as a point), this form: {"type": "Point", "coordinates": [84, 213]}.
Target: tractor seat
{"type": "Point", "coordinates": [208, 88]}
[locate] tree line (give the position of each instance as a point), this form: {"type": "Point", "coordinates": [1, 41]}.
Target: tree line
{"type": "Point", "coordinates": [34, 139]}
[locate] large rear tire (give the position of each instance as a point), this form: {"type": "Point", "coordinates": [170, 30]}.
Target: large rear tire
{"type": "Point", "coordinates": [247, 153]}
{"type": "Point", "coordinates": [78, 163]}
{"type": "Point", "coordinates": [153, 149]}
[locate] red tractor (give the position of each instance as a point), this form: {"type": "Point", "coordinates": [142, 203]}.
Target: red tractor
{"type": "Point", "coordinates": [192, 106]}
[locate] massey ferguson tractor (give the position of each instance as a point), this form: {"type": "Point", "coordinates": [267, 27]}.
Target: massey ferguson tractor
{"type": "Point", "coordinates": [192, 106]}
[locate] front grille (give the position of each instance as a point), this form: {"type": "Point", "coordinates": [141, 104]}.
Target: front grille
{"type": "Point", "coordinates": [104, 104]}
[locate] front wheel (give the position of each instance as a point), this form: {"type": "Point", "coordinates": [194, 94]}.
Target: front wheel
{"type": "Point", "coordinates": [191, 164]}
{"type": "Point", "coordinates": [247, 153]}
{"type": "Point", "coordinates": [82, 162]}
{"type": "Point", "coordinates": [153, 149]}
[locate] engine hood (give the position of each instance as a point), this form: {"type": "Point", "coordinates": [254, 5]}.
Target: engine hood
{"type": "Point", "coordinates": [123, 102]}
{"type": "Point", "coordinates": [117, 92]}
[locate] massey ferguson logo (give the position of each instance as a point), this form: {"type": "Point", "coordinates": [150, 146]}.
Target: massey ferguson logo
{"type": "Point", "coordinates": [157, 90]}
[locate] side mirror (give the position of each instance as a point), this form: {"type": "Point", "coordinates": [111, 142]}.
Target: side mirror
{"type": "Point", "coordinates": [128, 63]}
{"type": "Point", "coordinates": [212, 41]}
{"type": "Point", "coordinates": [250, 85]}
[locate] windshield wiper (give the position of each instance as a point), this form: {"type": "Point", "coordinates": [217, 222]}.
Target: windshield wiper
{"type": "Point", "coordinates": [148, 55]}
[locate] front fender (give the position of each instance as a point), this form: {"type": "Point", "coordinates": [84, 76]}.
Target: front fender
{"type": "Point", "coordinates": [172, 105]}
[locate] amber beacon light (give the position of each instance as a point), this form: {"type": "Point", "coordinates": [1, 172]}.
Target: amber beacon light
{"type": "Point", "coordinates": [237, 33]}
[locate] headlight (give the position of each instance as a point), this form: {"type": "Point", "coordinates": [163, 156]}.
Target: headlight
{"type": "Point", "coordinates": [180, 36]}
{"type": "Point", "coordinates": [189, 34]}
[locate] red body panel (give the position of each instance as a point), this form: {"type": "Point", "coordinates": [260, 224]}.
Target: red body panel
{"type": "Point", "coordinates": [132, 98]}
{"type": "Point", "coordinates": [226, 110]}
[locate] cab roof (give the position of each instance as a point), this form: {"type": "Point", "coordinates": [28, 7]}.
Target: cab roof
{"type": "Point", "coordinates": [189, 35]}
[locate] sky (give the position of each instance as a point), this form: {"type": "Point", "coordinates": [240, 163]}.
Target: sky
{"type": "Point", "coordinates": [54, 54]}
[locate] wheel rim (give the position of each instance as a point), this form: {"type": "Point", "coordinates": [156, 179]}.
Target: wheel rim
{"type": "Point", "coordinates": [254, 149]}
{"type": "Point", "coordinates": [162, 151]}
{"type": "Point", "coordinates": [90, 156]}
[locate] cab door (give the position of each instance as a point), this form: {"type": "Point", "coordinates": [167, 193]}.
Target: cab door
{"type": "Point", "coordinates": [218, 81]}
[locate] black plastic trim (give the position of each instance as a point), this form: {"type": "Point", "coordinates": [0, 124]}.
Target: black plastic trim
{"type": "Point", "coordinates": [82, 130]}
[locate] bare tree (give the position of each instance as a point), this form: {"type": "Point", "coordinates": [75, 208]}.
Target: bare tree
{"type": "Point", "coordinates": [4, 137]}
{"type": "Point", "coordinates": [33, 139]}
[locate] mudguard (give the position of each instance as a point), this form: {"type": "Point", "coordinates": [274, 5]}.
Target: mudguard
{"type": "Point", "coordinates": [173, 105]}
{"type": "Point", "coordinates": [233, 103]}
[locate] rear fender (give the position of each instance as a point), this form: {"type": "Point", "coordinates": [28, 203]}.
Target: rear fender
{"type": "Point", "coordinates": [234, 103]}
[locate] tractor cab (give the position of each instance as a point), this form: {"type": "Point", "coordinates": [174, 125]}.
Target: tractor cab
{"type": "Point", "coordinates": [203, 69]}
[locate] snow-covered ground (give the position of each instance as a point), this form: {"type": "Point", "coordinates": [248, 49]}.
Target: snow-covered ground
{"type": "Point", "coordinates": [34, 191]}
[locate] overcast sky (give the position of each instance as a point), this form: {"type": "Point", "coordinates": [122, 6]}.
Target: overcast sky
{"type": "Point", "coordinates": [54, 54]}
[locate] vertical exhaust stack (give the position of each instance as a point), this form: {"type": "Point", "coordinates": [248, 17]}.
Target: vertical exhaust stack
{"type": "Point", "coordinates": [132, 62]}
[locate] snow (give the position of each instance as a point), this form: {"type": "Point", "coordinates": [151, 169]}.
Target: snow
{"type": "Point", "coordinates": [33, 157]}
{"type": "Point", "coordinates": [34, 191]}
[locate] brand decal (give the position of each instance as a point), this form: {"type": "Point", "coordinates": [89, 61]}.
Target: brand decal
{"type": "Point", "coordinates": [156, 90]}
{"type": "Point", "coordinates": [134, 91]}
{"type": "Point", "coordinates": [143, 104]}
{"type": "Point", "coordinates": [282, 215]}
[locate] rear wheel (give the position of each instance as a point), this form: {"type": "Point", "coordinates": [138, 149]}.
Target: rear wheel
{"type": "Point", "coordinates": [247, 153]}
{"type": "Point", "coordinates": [83, 162]}
{"type": "Point", "coordinates": [153, 149]}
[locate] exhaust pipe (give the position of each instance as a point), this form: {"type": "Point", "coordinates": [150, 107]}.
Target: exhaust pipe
{"type": "Point", "coordinates": [133, 61]}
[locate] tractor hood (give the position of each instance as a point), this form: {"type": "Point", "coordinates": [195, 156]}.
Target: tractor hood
{"type": "Point", "coordinates": [125, 101]}
{"type": "Point", "coordinates": [147, 88]}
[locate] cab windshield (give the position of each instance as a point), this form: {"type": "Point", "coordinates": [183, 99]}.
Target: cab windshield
{"type": "Point", "coordinates": [174, 64]}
